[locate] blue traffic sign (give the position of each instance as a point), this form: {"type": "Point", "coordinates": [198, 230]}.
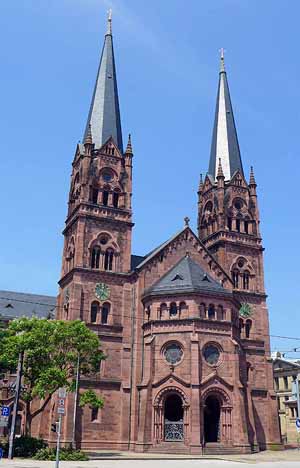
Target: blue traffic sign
{"type": "Point", "coordinates": [1, 453]}
{"type": "Point", "coordinates": [298, 423]}
{"type": "Point", "coordinates": [5, 411]}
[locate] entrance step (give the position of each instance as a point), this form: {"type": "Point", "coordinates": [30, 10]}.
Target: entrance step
{"type": "Point", "coordinates": [170, 448]}
{"type": "Point", "coordinates": [219, 449]}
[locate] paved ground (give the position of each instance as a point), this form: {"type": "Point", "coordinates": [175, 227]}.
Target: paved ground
{"type": "Point", "coordinates": [148, 464]}
{"type": "Point", "coordinates": [283, 459]}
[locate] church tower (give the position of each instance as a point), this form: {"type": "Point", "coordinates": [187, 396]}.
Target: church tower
{"type": "Point", "coordinates": [228, 216]}
{"type": "Point", "coordinates": [228, 226]}
{"type": "Point", "coordinates": [99, 222]}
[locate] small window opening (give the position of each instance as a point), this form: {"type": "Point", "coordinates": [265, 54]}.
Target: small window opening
{"type": "Point", "coordinates": [229, 224]}
{"type": "Point", "coordinates": [108, 260]}
{"type": "Point", "coordinates": [248, 328]}
{"type": "Point", "coordinates": [173, 309]}
{"type": "Point", "coordinates": [94, 195]}
{"type": "Point", "coordinates": [105, 198]}
{"type": "Point", "coordinates": [238, 225]}
{"type": "Point", "coordinates": [95, 262]}
{"type": "Point", "coordinates": [235, 279]}
{"type": "Point", "coordinates": [115, 199]}
{"type": "Point", "coordinates": [246, 280]}
{"type": "Point", "coordinates": [211, 312]}
{"type": "Point", "coordinates": [177, 277]}
{"type": "Point", "coordinates": [104, 313]}
{"type": "Point", "coordinates": [94, 415]}
{"type": "Point", "coordinates": [94, 312]}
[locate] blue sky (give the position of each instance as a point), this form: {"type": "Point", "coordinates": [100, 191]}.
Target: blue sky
{"type": "Point", "coordinates": [167, 55]}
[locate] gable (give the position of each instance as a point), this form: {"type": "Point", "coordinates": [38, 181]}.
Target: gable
{"type": "Point", "coordinates": [109, 148]}
{"type": "Point", "coordinates": [165, 257]}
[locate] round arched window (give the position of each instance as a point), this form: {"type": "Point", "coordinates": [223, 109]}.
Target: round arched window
{"type": "Point", "coordinates": [173, 353]}
{"type": "Point", "coordinates": [211, 354]}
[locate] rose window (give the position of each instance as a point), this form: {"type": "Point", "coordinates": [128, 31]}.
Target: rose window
{"type": "Point", "coordinates": [173, 353]}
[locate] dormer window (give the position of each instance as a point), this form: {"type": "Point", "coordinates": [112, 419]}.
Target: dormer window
{"type": "Point", "coordinates": [177, 277]}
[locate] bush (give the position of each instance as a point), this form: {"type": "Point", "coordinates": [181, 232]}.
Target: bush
{"type": "Point", "coordinates": [25, 446]}
{"type": "Point", "coordinates": [65, 454]}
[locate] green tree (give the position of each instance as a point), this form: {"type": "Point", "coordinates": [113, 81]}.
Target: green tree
{"type": "Point", "coordinates": [51, 349]}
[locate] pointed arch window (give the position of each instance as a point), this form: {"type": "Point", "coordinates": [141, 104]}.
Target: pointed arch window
{"type": "Point", "coordinates": [238, 224]}
{"type": "Point", "coordinates": [94, 311]}
{"type": "Point", "coordinates": [95, 258]}
{"type": "Point", "coordinates": [229, 223]}
{"type": "Point", "coordinates": [105, 313]}
{"type": "Point", "coordinates": [108, 260]}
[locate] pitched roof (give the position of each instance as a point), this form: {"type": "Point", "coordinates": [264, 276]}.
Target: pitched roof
{"type": "Point", "coordinates": [15, 305]}
{"type": "Point", "coordinates": [225, 145]}
{"type": "Point", "coordinates": [155, 251]}
{"type": "Point", "coordinates": [185, 277]}
{"type": "Point", "coordinates": [104, 118]}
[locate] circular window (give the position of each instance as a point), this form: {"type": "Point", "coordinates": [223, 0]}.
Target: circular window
{"type": "Point", "coordinates": [107, 176]}
{"type": "Point", "coordinates": [211, 354]}
{"type": "Point", "coordinates": [238, 204]}
{"type": "Point", "coordinates": [241, 263]}
{"type": "Point", "coordinates": [103, 240]}
{"type": "Point", "coordinates": [173, 353]}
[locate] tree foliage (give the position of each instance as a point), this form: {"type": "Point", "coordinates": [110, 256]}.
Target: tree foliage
{"type": "Point", "coordinates": [51, 349]}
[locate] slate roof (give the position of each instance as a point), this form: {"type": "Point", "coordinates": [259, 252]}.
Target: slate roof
{"type": "Point", "coordinates": [135, 261]}
{"type": "Point", "coordinates": [104, 114]}
{"type": "Point", "coordinates": [15, 305]}
{"type": "Point", "coordinates": [185, 277]}
{"type": "Point", "coordinates": [225, 145]}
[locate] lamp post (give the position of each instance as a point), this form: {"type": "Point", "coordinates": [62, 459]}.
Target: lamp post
{"type": "Point", "coordinates": [76, 403]}
{"type": "Point", "coordinates": [15, 407]}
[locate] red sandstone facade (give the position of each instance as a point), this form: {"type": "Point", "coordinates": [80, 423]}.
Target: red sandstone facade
{"type": "Point", "coordinates": [185, 371]}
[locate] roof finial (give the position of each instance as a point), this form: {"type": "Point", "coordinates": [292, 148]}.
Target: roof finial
{"type": "Point", "coordinates": [220, 172]}
{"type": "Point", "coordinates": [88, 139]}
{"type": "Point", "coordinates": [109, 18]}
{"type": "Point", "coordinates": [186, 221]}
{"type": "Point", "coordinates": [222, 65]}
{"type": "Point", "coordinates": [252, 178]}
{"type": "Point", "coordinates": [129, 145]}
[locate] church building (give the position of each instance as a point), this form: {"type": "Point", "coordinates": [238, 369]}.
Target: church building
{"type": "Point", "coordinates": [185, 328]}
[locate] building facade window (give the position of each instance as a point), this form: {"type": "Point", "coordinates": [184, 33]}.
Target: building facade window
{"type": "Point", "coordinates": [105, 313]}
{"type": "Point", "coordinates": [108, 260]}
{"type": "Point", "coordinates": [94, 311]}
{"type": "Point", "coordinates": [95, 258]}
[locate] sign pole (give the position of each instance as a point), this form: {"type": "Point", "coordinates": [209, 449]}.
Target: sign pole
{"type": "Point", "coordinates": [58, 442]}
{"type": "Point", "coordinates": [15, 407]}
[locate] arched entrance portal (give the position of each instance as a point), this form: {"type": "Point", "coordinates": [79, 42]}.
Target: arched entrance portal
{"type": "Point", "coordinates": [212, 412]}
{"type": "Point", "coordinates": [173, 418]}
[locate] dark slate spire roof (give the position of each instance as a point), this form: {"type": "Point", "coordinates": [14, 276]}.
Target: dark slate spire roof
{"type": "Point", "coordinates": [104, 116]}
{"type": "Point", "coordinates": [185, 277]}
{"type": "Point", "coordinates": [225, 145]}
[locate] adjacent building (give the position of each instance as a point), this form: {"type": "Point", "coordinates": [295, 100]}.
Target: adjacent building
{"type": "Point", "coordinates": [285, 372]}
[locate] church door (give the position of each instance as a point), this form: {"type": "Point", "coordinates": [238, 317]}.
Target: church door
{"type": "Point", "coordinates": [212, 419]}
{"type": "Point", "coordinates": [173, 417]}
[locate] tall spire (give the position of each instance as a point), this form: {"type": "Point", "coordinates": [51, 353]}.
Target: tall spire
{"type": "Point", "coordinates": [104, 115]}
{"type": "Point", "coordinates": [225, 144]}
